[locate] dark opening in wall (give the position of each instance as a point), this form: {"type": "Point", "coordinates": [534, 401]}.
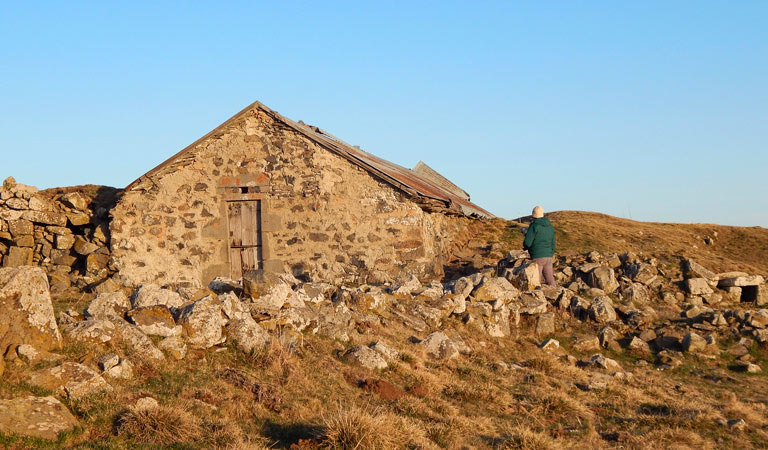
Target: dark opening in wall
{"type": "Point", "coordinates": [749, 293]}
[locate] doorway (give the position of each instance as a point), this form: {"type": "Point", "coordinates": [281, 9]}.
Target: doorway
{"type": "Point", "coordinates": [245, 237]}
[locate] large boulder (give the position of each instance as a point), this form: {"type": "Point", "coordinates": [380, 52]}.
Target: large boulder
{"type": "Point", "coordinates": [26, 312]}
{"type": "Point", "coordinates": [40, 417]}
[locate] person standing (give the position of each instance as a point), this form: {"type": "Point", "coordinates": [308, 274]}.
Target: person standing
{"type": "Point", "coordinates": [540, 243]}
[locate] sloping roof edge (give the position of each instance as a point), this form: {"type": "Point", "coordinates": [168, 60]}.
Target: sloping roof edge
{"type": "Point", "coordinates": [427, 194]}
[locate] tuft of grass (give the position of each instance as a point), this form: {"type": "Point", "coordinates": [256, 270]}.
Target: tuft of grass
{"type": "Point", "coordinates": [524, 438]}
{"type": "Point", "coordinates": [355, 427]}
{"type": "Point", "coordinates": [160, 426]}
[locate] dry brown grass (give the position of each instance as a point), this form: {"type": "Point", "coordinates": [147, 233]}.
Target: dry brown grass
{"type": "Point", "coordinates": [354, 427]}
{"type": "Point", "coordinates": [160, 426]}
{"type": "Point", "coordinates": [524, 438]}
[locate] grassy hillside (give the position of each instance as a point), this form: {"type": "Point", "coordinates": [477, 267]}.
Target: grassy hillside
{"type": "Point", "coordinates": [506, 393]}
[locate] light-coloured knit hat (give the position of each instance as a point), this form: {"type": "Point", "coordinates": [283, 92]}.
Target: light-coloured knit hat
{"type": "Point", "coordinates": [538, 212]}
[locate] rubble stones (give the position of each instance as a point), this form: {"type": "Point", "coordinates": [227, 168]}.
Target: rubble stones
{"type": "Point", "coordinates": [700, 271]}
{"type": "Point", "coordinates": [39, 417]}
{"type": "Point", "coordinates": [533, 303]}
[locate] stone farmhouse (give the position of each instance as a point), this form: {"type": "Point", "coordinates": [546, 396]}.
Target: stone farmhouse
{"type": "Point", "coordinates": [264, 194]}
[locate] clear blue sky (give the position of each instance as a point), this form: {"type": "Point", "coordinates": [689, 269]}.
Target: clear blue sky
{"type": "Point", "coordinates": [654, 110]}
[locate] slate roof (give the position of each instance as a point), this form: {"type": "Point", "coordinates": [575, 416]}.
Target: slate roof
{"type": "Point", "coordinates": [428, 193]}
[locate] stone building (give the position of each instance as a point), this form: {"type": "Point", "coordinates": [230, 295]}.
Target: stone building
{"type": "Point", "coordinates": [263, 193]}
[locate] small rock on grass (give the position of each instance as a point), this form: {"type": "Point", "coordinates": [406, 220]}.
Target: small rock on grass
{"type": "Point", "coordinates": [366, 357]}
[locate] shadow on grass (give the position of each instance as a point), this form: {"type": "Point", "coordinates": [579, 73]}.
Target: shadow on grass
{"type": "Point", "coordinates": [284, 435]}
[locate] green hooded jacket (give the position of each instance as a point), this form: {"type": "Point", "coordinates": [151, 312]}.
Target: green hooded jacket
{"type": "Point", "coordinates": [540, 239]}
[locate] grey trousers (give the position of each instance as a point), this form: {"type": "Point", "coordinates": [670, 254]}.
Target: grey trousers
{"type": "Point", "coordinates": [546, 273]}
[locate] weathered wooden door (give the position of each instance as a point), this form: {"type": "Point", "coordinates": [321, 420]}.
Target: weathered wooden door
{"type": "Point", "coordinates": [244, 237]}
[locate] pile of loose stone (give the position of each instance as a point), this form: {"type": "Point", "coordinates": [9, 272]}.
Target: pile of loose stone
{"type": "Point", "coordinates": [62, 235]}
{"type": "Point", "coordinates": [656, 309]}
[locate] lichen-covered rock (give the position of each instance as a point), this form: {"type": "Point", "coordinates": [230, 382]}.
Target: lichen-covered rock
{"type": "Point", "coordinates": [70, 378]}
{"type": "Point", "coordinates": [40, 417]}
{"type": "Point", "coordinates": [151, 294]}
{"type": "Point", "coordinates": [106, 305]}
{"type": "Point", "coordinates": [26, 312]}
{"type": "Point", "coordinates": [526, 277]}
{"type": "Point", "coordinates": [137, 342]}
{"type": "Point", "coordinates": [387, 352]}
{"type": "Point", "coordinates": [174, 346]}
{"type": "Point", "coordinates": [93, 330]}
{"type": "Point", "coordinates": [247, 334]}
{"type": "Point", "coordinates": [439, 346]}
{"type": "Point", "coordinates": [154, 320]}
{"type": "Point", "coordinates": [203, 322]}
{"type": "Point", "coordinates": [366, 357]}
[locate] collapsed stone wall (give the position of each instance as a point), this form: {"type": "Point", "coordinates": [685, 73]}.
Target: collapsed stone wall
{"type": "Point", "coordinates": [59, 232]}
{"type": "Point", "coordinates": [322, 217]}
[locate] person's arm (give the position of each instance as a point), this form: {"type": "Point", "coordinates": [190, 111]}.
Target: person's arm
{"type": "Point", "coordinates": [529, 236]}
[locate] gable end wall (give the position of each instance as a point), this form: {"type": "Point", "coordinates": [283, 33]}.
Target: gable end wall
{"type": "Point", "coordinates": [322, 216]}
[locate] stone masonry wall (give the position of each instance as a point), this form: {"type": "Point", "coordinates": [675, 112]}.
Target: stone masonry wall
{"type": "Point", "coordinates": [323, 217]}
{"type": "Point", "coordinates": [59, 232]}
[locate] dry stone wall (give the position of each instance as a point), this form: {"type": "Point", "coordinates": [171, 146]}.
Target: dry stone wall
{"type": "Point", "coordinates": [322, 217]}
{"type": "Point", "coordinates": [61, 233]}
